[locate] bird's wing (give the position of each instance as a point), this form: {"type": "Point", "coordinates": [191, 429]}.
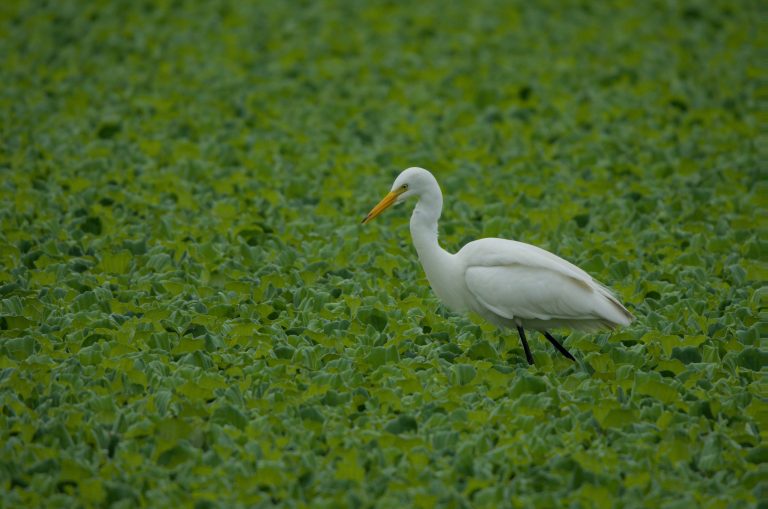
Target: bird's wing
{"type": "Point", "coordinates": [518, 291]}
{"type": "Point", "coordinates": [493, 252]}
{"type": "Point", "coordinates": [518, 280]}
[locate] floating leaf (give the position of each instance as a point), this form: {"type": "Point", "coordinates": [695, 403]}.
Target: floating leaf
{"type": "Point", "coordinates": [402, 424]}
{"type": "Point", "coordinates": [311, 414]}
{"type": "Point", "coordinates": [374, 317]}
{"type": "Point", "coordinates": [481, 350]}
{"type": "Point", "coordinates": [229, 415]}
{"type": "Point", "coordinates": [752, 358]}
{"type": "Point", "coordinates": [348, 468]}
{"type": "Point", "coordinates": [655, 388]}
{"type": "Point", "coordinates": [527, 384]}
{"type": "Point", "coordinates": [191, 314]}
{"type": "Point", "coordinates": [463, 373]}
{"type": "Point", "coordinates": [117, 263]}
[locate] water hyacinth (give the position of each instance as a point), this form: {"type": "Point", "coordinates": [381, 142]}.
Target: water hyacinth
{"type": "Point", "coordinates": [191, 315]}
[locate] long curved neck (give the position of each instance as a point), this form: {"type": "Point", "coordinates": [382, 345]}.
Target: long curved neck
{"type": "Point", "coordinates": [424, 227]}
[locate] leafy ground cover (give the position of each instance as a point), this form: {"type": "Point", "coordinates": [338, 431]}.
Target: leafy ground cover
{"type": "Point", "coordinates": [191, 315]}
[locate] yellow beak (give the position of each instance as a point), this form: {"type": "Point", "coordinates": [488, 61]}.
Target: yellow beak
{"type": "Point", "coordinates": [383, 205]}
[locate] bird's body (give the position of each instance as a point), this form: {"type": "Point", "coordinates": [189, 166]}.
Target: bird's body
{"type": "Point", "coordinates": [548, 292]}
{"type": "Point", "coordinates": [508, 283]}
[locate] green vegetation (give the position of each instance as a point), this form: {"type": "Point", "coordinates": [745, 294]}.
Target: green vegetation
{"type": "Point", "coordinates": [191, 315]}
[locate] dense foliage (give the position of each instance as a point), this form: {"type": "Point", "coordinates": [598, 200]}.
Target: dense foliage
{"type": "Point", "coordinates": [191, 315]}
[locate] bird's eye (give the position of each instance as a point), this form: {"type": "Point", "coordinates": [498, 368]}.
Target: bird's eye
{"type": "Point", "coordinates": [404, 187]}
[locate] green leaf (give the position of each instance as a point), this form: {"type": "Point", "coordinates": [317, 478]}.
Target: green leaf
{"type": "Point", "coordinates": [758, 454]}
{"type": "Point", "coordinates": [482, 350]}
{"type": "Point", "coordinates": [402, 424]}
{"type": "Point", "coordinates": [527, 384]}
{"type": "Point", "coordinates": [687, 354]}
{"type": "Point", "coordinates": [229, 415]}
{"type": "Point", "coordinates": [463, 373]}
{"type": "Point", "coordinates": [310, 413]}
{"type": "Point", "coordinates": [654, 387]}
{"type": "Point", "coordinates": [711, 458]}
{"type": "Point", "coordinates": [752, 358]}
{"type": "Point", "coordinates": [20, 348]}
{"type": "Point", "coordinates": [170, 431]}
{"type": "Point", "coordinates": [90, 356]}
{"type": "Point", "coordinates": [618, 418]}
{"type": "Point", "coordinates": [85, 301]}
{"type": "Point", "coordinates": [158, 262]}
{"type": "Point", "coordinates": [333, 398]}
{"type": "Point", "coordinates": [92, 490]}
{"type": "Point", "coordinates": [73, 471]}
{"type": "Point", "coordinates": [348, 468]}
{"type": "Point", "coordinates": [189, 344]}
{"type": "Point", "coordinates": [176, 455]}
{"type": "Point", "coordinates": [283, 352]}
{"type": "Point", "coordinates": [12, 306]}
{"type": "Point", "coordinates": [377, 356]}
{"type": "Point", "coordinates": [117, 263]}
{"type": "Point", "coordinates": [372, 316]}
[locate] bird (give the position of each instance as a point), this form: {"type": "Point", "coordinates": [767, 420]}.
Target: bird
{"type": "Point", "coordinates": [511, 284]}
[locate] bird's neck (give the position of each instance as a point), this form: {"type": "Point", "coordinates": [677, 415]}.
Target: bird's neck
{"type": "Point", "coordinates": [424, 228]}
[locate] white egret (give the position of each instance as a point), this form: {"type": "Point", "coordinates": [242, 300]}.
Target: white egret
{"type": "Point", "coordinates": [508, 283]}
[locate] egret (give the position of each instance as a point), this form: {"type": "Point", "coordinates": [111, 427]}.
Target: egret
{"type": "Point", "coordinates": [508, 283]}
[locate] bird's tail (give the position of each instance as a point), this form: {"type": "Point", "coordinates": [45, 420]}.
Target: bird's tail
{"type": "Point", "coordinates": [612, 311]}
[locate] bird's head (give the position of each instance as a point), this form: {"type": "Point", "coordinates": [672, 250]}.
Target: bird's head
{"type": "Point", "coordinates": [411, 182]}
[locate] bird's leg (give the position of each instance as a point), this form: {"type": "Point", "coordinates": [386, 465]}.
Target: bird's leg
{"type": "Point", "coordinates": [556, 344]}
{"type": "Point", "coordinates": [528, 355]}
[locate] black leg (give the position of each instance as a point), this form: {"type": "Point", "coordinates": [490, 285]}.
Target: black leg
{"type": "Point", "coordinates": [528, 355]}
{"type": "Point", "coordinates": [556, 344]}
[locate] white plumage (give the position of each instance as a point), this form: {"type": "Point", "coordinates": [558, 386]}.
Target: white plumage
{"type": "Point", "coordinates": [508, 283]}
